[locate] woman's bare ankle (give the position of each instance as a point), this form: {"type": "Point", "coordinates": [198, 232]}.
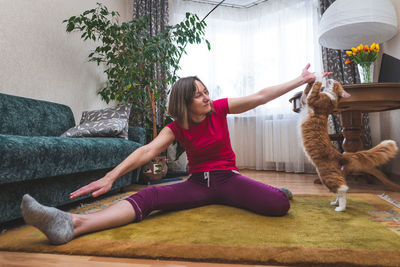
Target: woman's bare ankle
{"type": "Point", "coordinates": [77, 221]}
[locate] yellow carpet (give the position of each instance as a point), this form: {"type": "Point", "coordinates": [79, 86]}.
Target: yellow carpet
{"type": "Point", "coordinates": [366, 234]}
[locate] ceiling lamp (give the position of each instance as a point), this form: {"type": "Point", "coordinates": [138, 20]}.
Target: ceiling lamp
{"type": "Point", "coordinates": [347, 24]}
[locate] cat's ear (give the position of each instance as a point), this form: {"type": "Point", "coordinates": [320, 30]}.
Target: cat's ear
{"type": "Point", "coordinates": [344, 94]}
{"type": "Point", "coordinates": [340, 91]}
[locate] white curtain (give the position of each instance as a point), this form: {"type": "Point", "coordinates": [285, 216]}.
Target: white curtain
{"type": "Point", "coordinates": [253, 48]}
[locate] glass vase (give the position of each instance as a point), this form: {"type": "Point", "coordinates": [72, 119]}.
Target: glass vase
{"type": "Point", "coordinates": [366, 70]}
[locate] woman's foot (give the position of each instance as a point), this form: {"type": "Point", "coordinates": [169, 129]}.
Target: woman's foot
{"type": "Point", "coordinates": [287, 192]}
{"type": "Point", "coordinates": [54, 223]}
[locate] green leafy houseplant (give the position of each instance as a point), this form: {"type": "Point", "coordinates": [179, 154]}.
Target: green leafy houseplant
{"type": "Point", "coordinates": [140, 66]}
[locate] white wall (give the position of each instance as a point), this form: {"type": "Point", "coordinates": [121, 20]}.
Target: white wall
{"type": "Point", "coordinates": [38, 59]}
{"type": "Point", "coordinates": [386, 125]}
{"type": "Point", "coordinates": [392, 47]}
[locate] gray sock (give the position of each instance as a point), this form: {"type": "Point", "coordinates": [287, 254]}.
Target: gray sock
{"type": "Point", "coordinates": [54, 223]}
{"type": "Point", "coordinates": [287, 192]}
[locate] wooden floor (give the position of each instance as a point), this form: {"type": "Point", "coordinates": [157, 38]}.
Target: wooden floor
{"type": "Point", "coordinates": [297, 183]}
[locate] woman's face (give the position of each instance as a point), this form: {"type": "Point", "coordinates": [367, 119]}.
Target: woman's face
{"type": "Point", "coordinates": [201, 104]}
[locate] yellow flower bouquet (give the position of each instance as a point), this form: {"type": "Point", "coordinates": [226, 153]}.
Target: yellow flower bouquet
{"type": "Point", "coordinates": [364, 56]}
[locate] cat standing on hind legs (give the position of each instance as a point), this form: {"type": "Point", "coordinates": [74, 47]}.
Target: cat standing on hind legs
{"type": "Point", "coordinates": [319, 100]}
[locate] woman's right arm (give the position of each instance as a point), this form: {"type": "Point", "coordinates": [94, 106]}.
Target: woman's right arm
{"type": "Point", "coordinates": [136, 159]}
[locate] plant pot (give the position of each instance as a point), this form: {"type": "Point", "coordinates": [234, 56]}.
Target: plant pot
{"type": "Point", "coordinates": [366, 70]}
{"type": "Point", "coordinates": [156, 169]}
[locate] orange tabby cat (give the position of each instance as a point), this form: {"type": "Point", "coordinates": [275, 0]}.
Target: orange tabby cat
{"type": "Point", "coordinates": [319, 100]}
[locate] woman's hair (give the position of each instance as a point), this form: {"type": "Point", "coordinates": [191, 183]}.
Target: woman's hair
{"type": "Point", "coordinates": [180, 98]}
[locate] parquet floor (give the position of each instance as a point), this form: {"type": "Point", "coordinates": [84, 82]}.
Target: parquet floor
{"type": "Point", "coordinates": [297, 183]}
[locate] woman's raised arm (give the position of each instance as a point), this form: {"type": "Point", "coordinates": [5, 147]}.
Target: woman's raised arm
{"type": "Point", "coordinates": [245, 103]}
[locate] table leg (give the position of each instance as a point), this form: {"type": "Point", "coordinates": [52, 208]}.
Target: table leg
{"type": "Point", "coordinates": [382, 177]}
{"type": "Point", "coordinates": [351, 124]}
{"type": "Point", "coordinates": [352, 127]}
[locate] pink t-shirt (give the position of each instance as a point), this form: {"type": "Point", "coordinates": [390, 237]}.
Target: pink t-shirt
{"type": "Point", "coordinates": [207, 144]}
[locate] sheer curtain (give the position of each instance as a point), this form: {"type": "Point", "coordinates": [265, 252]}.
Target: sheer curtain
{"type": "Point", "coordinates": [253, 48]}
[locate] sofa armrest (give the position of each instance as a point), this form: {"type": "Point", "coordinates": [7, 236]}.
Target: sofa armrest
{"type": "Point", "coordinates": [137, 134]}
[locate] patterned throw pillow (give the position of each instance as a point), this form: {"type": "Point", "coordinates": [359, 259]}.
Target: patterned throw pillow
{"type": "Point", "coordinates": [121, 112]}
{"type": "Point", "coordinates": [102, 128]}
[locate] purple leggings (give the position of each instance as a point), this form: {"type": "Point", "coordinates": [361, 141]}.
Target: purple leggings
{"type": "Point", "coordinates": [214, 187]}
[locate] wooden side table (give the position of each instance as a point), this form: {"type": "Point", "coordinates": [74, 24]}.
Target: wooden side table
{"type": "Point", "coordinates": [366, 97]}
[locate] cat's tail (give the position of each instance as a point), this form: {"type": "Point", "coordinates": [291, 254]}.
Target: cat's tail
{"type": "Point", "coordinates": [367, 159]}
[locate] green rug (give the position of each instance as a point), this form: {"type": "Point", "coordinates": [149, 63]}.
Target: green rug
{"type": "Point", "coordinates": [366, 234]}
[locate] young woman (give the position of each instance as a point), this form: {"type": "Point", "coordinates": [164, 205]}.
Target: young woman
{"type": "Point", "coordinates": [201, 128]}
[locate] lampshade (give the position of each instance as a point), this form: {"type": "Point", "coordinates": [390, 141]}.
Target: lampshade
{"type": "Point", "coordinates": [347, 24]}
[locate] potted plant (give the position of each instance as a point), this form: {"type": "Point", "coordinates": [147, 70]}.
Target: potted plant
{"type": "Point", "coordinates": [140, 66]}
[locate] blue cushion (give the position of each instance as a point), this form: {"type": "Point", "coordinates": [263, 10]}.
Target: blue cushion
{"type": "Point", "coordinates": [137, 134]}
{"type": "Point", "coordinates": [24, 158]}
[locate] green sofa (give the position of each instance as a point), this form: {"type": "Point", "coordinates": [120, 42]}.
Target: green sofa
{"type": "Point", "coordinates": [35, 160]}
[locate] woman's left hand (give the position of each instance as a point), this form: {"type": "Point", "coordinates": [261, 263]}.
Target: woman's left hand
{"type": "Point", "coordinates": [309, 77]}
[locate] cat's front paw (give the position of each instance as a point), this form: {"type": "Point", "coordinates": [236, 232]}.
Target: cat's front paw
{"type": "Point", "coordinates": [340, 208]}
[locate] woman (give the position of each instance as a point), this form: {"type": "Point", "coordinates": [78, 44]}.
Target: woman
{"type": "Point", "coordinates": [200, 126]}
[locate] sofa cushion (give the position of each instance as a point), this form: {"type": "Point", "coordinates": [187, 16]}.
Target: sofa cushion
{"type": "Point", "coordinates": [137, 134]}
{"type": "Point", "coordinates": [102, 128]}
{"type": "Point", "coordinates": [24, 158]}
{"type": "Point", "coordinates": [120, 112]}
{"type": "Point", "coordinates": [25, 116]}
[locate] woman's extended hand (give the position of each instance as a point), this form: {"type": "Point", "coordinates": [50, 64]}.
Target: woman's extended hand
{"type": "Point", "coordinates": [309, 77]}
{"type": "Point", "coordinates": [97, 188]}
